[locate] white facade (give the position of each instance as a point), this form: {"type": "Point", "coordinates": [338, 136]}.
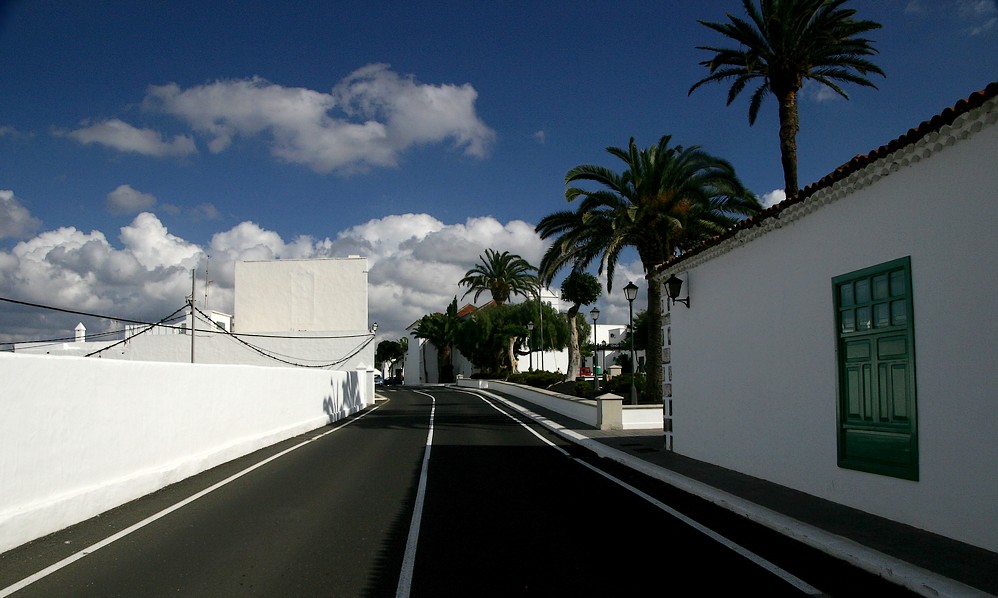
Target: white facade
{"type": "Point", "coordinates": [305, 313]}
{"type": "Point", "coordinates": [751, 367]}
{"type": "Point", "coordinates": [301, 295]}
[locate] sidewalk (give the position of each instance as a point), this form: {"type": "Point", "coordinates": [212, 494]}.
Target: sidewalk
{"type": "Point", "coordinates": [926, 563]}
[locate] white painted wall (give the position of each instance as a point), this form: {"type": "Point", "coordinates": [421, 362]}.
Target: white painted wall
{"type": "Point", "coordinates": [301, 295]}
{"type": "Point", "coordinates": [344, 351]}
{"type": "Point", "coordinates": [79, 436]}
{"type": "Point", "coordinates": [754, 358]}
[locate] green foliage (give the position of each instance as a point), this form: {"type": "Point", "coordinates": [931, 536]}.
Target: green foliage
{"type": "Point", "coordinates": [537, 379]}
{"type": "Point", "coordinates": [581, 288]}
{"type": "Point", "coordinates": [642, 330]}
{"type": "Point", "coordinates": [441, 330]}
{"type": "Point", "coordinates": [583, 388]}
{"type": "Point", "coordinates": [621, 385]}
{"type": "Point", "coordinates": [502, 274]}
{"type": "Point", "coordinates": [666, 200]}
{"type": "Point", "coordinates": [390, 351]}
{"type": "Point", "coordinates": [483, 336]}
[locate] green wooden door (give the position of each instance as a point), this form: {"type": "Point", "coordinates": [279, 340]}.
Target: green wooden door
{"type": "Point", "coordinates": [877, 424]}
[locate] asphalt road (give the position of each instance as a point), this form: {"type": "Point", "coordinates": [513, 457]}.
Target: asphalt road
{"type": "Point", "coordinates": [436, 492]}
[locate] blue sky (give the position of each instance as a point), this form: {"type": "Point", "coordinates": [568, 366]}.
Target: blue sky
{"type": "Point", "coordinates": [137, 138]}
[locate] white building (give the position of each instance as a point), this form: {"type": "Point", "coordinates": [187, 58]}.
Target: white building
{"type": "Point", "coordinates": [842, 343]}
{"type": "Point", "coordinates": [309, 313]}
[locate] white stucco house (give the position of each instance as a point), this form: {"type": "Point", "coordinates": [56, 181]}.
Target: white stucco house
{"type": "Point", "coordinates": [304, 312]}
{"type": "Point", "coordinates": [842, 342]}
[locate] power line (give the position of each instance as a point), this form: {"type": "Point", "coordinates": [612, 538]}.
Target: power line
{"type": "Point", "coordinates": [274, 355]}
{"type": "Point", "coordinates": [72, 311]}
{"type": "Point", "coordinates": [130, 337]}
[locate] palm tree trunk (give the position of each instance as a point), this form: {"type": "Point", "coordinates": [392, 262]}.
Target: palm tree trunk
{"type": "Point", "coordinates": [652, 392]}
{"type": "Point", "coordinates": [789, 125]}
{"type": "Point", "coordinates": [574, 355]}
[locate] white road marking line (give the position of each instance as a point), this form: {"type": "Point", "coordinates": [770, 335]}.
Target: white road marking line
{"type": "Point", "coordinates": [793, 580]}
{"type": "Point", "coordinates": [114, 538]}
{"type": "Point", "coordinates": [409, 560]}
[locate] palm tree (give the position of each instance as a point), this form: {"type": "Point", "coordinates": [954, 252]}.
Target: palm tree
{"type": "Point", "coordinates": [786, 42]}
{"type": "Point", "coordinates": [440, 330]}
{"type": "Point", "coordinates": [502, 274]}
{"type": "Point", "coordinates": [667, 199]}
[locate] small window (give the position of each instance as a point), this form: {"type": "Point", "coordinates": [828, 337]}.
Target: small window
{"type": "Point", "coordinates": [877, 428]}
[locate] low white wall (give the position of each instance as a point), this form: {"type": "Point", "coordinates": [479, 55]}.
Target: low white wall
{"type": "Point", "coordinates": [80, 436]}
{"type": "Point", "coordinates": [641, 417]}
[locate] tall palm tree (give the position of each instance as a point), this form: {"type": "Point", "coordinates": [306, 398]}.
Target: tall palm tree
{"type": "Point", "coordinates": [502, 274]}
{"type": "Point", "coordinates": [783, 43]}
{"type": "Point", "coordinates": [667, 199]}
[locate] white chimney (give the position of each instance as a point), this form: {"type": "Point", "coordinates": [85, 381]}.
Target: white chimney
{"type": "Point", "coordinates": [81, 333]}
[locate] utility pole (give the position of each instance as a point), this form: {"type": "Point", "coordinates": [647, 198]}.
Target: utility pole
{"type": "Point", "coordinates": [190, 301]}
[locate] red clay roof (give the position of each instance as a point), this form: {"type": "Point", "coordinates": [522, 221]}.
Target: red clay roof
{"type": "Point", "coordinates": [946, 117]}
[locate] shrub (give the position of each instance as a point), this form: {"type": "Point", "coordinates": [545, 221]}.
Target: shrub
{"type": "Point", "coordinates": [537, 379]}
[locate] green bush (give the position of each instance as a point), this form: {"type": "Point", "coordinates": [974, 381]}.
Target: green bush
{"type": "Point", "coordinates": [583, 388]}
{"type": "Point", "coordinates": [537, 379]}
{"type": "Point", "coordinates": [621, 385]}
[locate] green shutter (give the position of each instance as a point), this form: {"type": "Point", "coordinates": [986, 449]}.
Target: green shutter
{"type": "Point", "coordinates": [877, 426]}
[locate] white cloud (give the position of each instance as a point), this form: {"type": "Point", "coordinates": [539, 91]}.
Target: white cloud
{"type": "Point", "coordinates": [16, 221]}
{"type": "Point", "coordinates": [415, 263]}
{"type": "Point", "coordinates": [124, 137]}
{"type": "Point", "coordinates": [540, 136]}
{"type": "Point", "coordinates": [368, 119]}
{"type": "Point", "coordinates": [154, 247]}
{"type": "Point", "coordinates": [772, 198]}
{"type": "Point", "coordinates": [126, 200]}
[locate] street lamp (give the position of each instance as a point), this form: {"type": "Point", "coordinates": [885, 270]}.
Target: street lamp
{"type": "Point", "coordinates": [602, 351]}
{"type": "Point", "coordinates": [631, 292]}
{"type": "Point", "coordinates": [594, 313]}
{"type": "Point", "coordinates": [530, 341]}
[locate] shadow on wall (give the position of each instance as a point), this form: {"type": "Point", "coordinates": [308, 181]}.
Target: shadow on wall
{"type": "Point", "coordinates": [346, 400]}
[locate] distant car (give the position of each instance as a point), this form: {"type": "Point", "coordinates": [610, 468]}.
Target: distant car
{"type": "Point", "coordinates": [378, 380]}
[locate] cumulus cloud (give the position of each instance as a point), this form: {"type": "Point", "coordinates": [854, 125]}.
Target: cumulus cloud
{"type": "Point", "coordinates": [15, 220]}
{"type": "Point", "coordinates": [119, 135]}
{"type": "Point", "coordinates": [772, 198]}
{"type": "Point", "coordinates": [415, 262]}
{"type": "Point", "coordinates": [126, 200]}
{"type": "Point", "coordinates": [368, 119]}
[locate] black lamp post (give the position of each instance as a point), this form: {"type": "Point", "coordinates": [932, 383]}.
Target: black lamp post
{"type": "Point", "coordinates": [530, 340]}
{"type": "Point", "coordinates": [594, 313]}
{"type": "Point", "coordinates": [603, 355]}
{"type": "Point", "coordinates": [631, 292]}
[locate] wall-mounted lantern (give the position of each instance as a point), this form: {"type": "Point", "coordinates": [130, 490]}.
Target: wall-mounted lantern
{"type": "Point", "coordinates": [672, 288]}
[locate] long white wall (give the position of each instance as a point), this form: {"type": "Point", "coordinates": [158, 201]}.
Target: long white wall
{"type": "Point", "coordinates": [79, 436]}
{"type": "Point", "coordinates": [754, 358]}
